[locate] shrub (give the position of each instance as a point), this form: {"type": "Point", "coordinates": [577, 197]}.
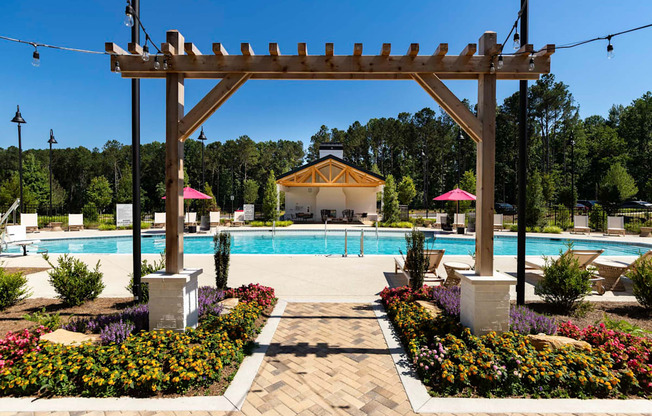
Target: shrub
{"type": "Point", "coordinates": [564, 283]}
{"type": "Point", "coordinates": [390, 201]}
{"type": "Point", "coordinates": [597, 218]}
{"type": "Point", "coordinates": [513, 228]}
{"type": "Point", "coordinates": [253, 293]}
{"type": "Point", "coordinates": [553, 229]}
{"type": "Point", "coordinates": [90, 213]}
{"type": "Point", "coordinates": [415, 260]}
{"type": "Point", "coordinates": [257, 224]}
{"type": "Point", "coordinates": [13, 288]}
{"type": "Point", "coordinates": [106, 227]}
{"type": "Point", "coordinates": [641, 275]}
{"type": "Point", "coordinates": [400, 224]}
{"type": "Point", "coordinates": [221, 257]}
{"type": "Point", "coordinates": [51, 321]}
{"type": "Point", "coordinates": [145, 269]}
{"type": "Point", "coordinates": [73, 281]}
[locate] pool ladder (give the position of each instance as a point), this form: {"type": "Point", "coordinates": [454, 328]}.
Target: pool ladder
{"type": "Point", "coordinates": [346, 243]}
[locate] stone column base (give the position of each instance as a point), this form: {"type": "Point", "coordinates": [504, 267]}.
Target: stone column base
{"type": "Point", "coordinates": [173, 300]}
{"type": "Point", "coordinates": [484, 303]}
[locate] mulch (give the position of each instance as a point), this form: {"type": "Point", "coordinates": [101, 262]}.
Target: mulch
{"type": "Point", "coordinates": [595, 313]}
{"type": "Point", "coordinates": [25, 270]}
{"type": "Point", "coordinates": [12, 319]}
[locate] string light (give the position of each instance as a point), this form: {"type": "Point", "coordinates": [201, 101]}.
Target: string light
{"type": "Point", "coordinates": [610, 50]}
{"type": "Point", "coordinates": [531, 65]}
{"type": "Point", "coordinates": [145, 53]}
{"type": "Point", "coordinates": [165, 64]}
{"type": "Point", "coordinates": [129, 15]}
{"type": "Point", "coordinates": [157, 65]}
{"type": "Point", "coordinates": [116, 68]}
{"type": "Point", "coordinates": [36, 58]}
{"type": "Point", "coordinates": [610, 47]}
{"type": "Point", "coordinates": [500, 62]}
{"type": "Point", "coordinates": [492, 68]}
{"type": "Point", "coordinates": [517, 41]}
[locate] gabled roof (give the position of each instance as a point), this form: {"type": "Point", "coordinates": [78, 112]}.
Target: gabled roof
{"type": "Point", "coordinates": [330, 171]}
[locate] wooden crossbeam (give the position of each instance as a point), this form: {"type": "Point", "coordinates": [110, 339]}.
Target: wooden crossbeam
{"type": "Point", "coordinates": [134, 48]}
{"type": "Point", "coordinates": [191, 49]}
{"type": "Point", "coordinates": [209, 104]}
{"type": "Point", "coordinates": [114, 49]}
{"type": "Point", "coordinates": [525, 50]}
{"type": "Point", "coordinates": [168, 49]}
{"type": "Point", "coordinates": [441, 50]}
{"type": "Point", "coordinates": [357, 49]}
{"type": "Point", "coordinates": [451, 104]}
{"type": "Point", "coordinates": [413, 50]}
{"type": "Point", "coordinates": [469, 50]}
{"type": "Point", "coordinates": [302, 49]}
{"type": "Point", "coordinates": [219, 50]}
{"type": "Point", "coordinates": [386, 49]}
{"type": "Point", "coordinates": [246, 49]}
{"type": "Point", "coordinates": [274, 49]}
{"type": "Point", "coordinates": [329, 49]}
{"type": "Point", "coordinates": [546, 51]}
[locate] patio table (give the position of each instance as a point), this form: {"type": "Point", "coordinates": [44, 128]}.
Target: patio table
{"type": "Point", "coordinates": [451, 277]}
{"type": "Point", "coordinates": [611, 271]}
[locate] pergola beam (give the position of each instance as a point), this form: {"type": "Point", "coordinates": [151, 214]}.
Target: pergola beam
{"type": "Point", "coordinates": [191, 49]}
{"type": "Point", "coordinates": [451, 104]}
{"type": "Point", "coordinates": [335, 76]}
{"type": "Point", "coordinates": [209, 104]}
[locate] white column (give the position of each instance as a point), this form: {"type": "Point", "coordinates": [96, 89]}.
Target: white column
{"type": "Point", "coordinates": [484, 303]}
{"type": "Point", "coordinates": [173, 300]}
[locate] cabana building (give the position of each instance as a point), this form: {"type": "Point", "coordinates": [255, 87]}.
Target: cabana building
{"type": "Point", "coordinates": [330, 187]}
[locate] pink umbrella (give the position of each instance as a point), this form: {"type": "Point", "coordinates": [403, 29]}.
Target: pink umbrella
{"type": "Point", "coordinates": [456, 194]}
{"type": "Point", "coordinates": [189, 193]}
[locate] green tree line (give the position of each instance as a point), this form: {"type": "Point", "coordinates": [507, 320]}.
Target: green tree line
{"type": "Point", "coordinates": [425, 146]}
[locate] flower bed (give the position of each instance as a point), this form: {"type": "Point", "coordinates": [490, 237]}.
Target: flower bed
{"type": "Point", "coordinates": [144, 364]}
{"type": "Point", "coordinates": [452, 361]}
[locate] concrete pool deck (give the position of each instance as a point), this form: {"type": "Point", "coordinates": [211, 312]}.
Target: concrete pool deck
{"type": "Point", "coordinates": [294, 277]}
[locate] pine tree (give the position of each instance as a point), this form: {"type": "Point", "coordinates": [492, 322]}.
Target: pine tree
{"type": "Point", "coordinates": [270, 198]}
{"type": "Point", "coordinates": [390, 201]}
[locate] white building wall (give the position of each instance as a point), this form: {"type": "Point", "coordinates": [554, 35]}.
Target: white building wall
{"type": "Point", "coordinates": [331, 198]}
{"type": "Point", "coordinates": [300, 199]}
{"type": "Point", "coordinates": [361, 199]}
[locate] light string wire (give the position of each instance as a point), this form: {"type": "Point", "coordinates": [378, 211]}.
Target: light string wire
{"type": "Point", "coordinates": [142, 27]}
{"type": "Point", "coordinates": [45, 45]}
{"type": "Point", "coordinates": [607, 37]}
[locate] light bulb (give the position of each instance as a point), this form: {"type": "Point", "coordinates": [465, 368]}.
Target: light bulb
{"type": "Point", "coordinates": [116, 68]}
{"type": "Point", "coordinates": [517, 41]}
{"type": "Point", "coordinates": [610, 51]}
{"type": "Point", "coordinates": [157, 65]}
{"type": "Point", "coordinates": [492, 68]}
{"type": "Point", "coordinates": [165, 64]}
{"type": "Point", "coordinates": [145, 53]}
{"type": "Point", "coordinates": [129, 16]}
{"type": "Point", "coordinates": [531, 66]}
{"type": "Point", "coordinates": [500, 62]}
{"type": "Point", "coordinates": [36, 59]}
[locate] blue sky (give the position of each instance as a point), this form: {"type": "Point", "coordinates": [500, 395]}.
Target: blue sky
{"type": "Point", "coordinates": [77, 96]}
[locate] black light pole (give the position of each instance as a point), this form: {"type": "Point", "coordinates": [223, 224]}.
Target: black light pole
{"type": "Point", "coordinates": [202, 137]}
{"type": "Point", "coordinates": [460, 137]}
{"type": "Point", "coordinates": [522, 168]}
{"type": "Point", "coordinates": [133, 20]}
{"type": "Point", "coordinates": [51, 142]}
{"type": "Point", "coordinates": [425, 180]}
{"type": "Point", "coordinates": [572, 143]}
{"type": "Point", "coordinates": [18, 119]}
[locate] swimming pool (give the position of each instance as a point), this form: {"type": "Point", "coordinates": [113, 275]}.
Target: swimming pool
{"type": "Point", "coordinates": [331, 243]}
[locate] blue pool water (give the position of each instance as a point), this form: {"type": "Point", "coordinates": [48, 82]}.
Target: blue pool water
{"type": "Point", "coordinates": [289, 242]}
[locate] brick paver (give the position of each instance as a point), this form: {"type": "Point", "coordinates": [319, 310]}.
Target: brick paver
{"type": "Point", "coordinates": [324, 359]}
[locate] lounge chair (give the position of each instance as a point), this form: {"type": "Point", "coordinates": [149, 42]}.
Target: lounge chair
{"type": "Point", "coordinates": [440, 220]}
{"type": "Point", "coordinates": [238, 218]}
{"type": "Point", "coordinates": [612, 270]}
{"type": "Point", "coordinates": [159, 220]}
{"type": "Point", "coordinates": [214, 218]}
{"type": "Point", "coordinates": [30, 221]}
{"type": "Point", "coordinates": [460, 221]}
{"type": "Point", "coordinates": [431, 275]}
{"type": "Point", "coordinates": [584, 257]}
{"type": "Point", "coordinates": [616, 225]}
{"type": "Point", "coordinates": [191, 218]}
{"type": "Point", "coordinates": [75, 222]}
{"type": "Point", "coordinates": [498, 222]}
{"type": "Point", "coordinates": [581, 224]}
{"type": "Point", "coordinates": [16, 235]}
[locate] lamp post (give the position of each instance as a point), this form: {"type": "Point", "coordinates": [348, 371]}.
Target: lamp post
{"type": "Point", "coordinates": [425, 180]}
{"type": "Point", "coordinates": [202, 137]}
{"type": "Point", "coordinates": [572, 143]}
{"type": "Point", "coordinates": [18, 119]}
{"type": "Point", "coordinates": [51, 142]}
{"type": "Point", "coordinates": [460, 137]}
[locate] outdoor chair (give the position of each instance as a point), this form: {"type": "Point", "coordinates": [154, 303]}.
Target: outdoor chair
{"type": "Point", "coordinates": [347, 215]}
{"type": "Point", "coordinates": [431, 275]}
{"type": "Point", "coordinates": [75, 222]}
{"type": "Point", "coordinates": [30, 221]}
{"type": "Point", "coordinates": [191, 218]}
{"type": "Point", "coordinates": [498, 222]}
{"type": "Point", "coordinates": [440, 220]}
{"type": "Point", "coordinates": [585, 258]}
{"type": "Point", "coordinates": [16, 235]}
{"type": "Point", "coordinates": [616, 225]}
{"type": "Point", "coordinates": [460, 221]}
{"type": "Point", "coordinates": [159, 220]}
{"type": "Point", "coordinates": [581, 224]}
{"type": "Point", "coordinates": [214, 218]}
{"type": "Point", "coordinates": [612, 270]}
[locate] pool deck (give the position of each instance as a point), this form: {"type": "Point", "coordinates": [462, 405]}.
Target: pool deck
{"type": "Point", "coordinates": [294, 277]}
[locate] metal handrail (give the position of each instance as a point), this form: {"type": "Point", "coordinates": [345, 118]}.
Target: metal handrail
{"type": "Point", "coordinates": [362, 243]}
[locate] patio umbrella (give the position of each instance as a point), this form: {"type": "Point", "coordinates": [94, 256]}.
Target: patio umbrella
{"type": "Point", "coordinates": [189, 193]}
{"type": "Point", "coordinates": [456, 194]}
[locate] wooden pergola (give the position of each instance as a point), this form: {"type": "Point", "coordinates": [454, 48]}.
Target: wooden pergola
{"type": "Point", "coordinates": [185, 61]}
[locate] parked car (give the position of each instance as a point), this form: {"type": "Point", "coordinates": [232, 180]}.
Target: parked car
{"type": "Point", "coordinates": [636, 205]}
{"type": "Point", "coordinates": [590, 203]}
{"type": "Point", "coordinates": [504, 208]}
{"type": "Point", "coordinates": [581, 207]}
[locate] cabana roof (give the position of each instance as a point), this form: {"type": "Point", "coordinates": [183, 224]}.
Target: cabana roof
{"type": "Point", "coordinates": [330, 171]}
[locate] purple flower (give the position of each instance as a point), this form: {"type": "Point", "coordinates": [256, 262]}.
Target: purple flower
{"type": "Point", "coordinates": [116, 332]}
{"type": "Point", "coordinates": [448, 299]}
{"type": "Point", "coordinates": [208, 301]}
{"type": "Point", "coordinates": [526, 321]}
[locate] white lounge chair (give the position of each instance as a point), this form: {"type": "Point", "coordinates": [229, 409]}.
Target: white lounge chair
{"type": "Point", "coordinates": [498, 221]}
{"type": "Point", "coordinates": [75, 222]}
{"type": "Point", "coordinates": [16, 235]}
{"type": "Point", "coordinates": [581, 224]}
{"type": "Point", "coordinates": [191, 218]}
{"type": "Point", "coordinates": [612, 270]}
{"type": "Point", "coordinates": [616, 225]}
{"type": "Point", "coordinates": [460, 221]}
{"type": "Point", "coordinates": [431, 275]}
{"type": "Point", "coordinates": [440, 220]}
{"type": "Point", "coordinates": [214, 218]}
{"type": "Point", "coordinates": [585, 259]}
{"type": "Point", "coordinates": [159, 220]}
{"type": "Point", "coordinates": [30, 221]}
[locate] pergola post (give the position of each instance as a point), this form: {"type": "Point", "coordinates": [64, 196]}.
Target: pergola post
{"type": "Point", "coordinates": [174, 92]}
{"type": "Point", "coordinates": [485, 165]}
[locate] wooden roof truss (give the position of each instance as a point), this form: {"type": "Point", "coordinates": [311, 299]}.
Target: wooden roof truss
{"type": "Point", "coordinates": [330, 173]}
